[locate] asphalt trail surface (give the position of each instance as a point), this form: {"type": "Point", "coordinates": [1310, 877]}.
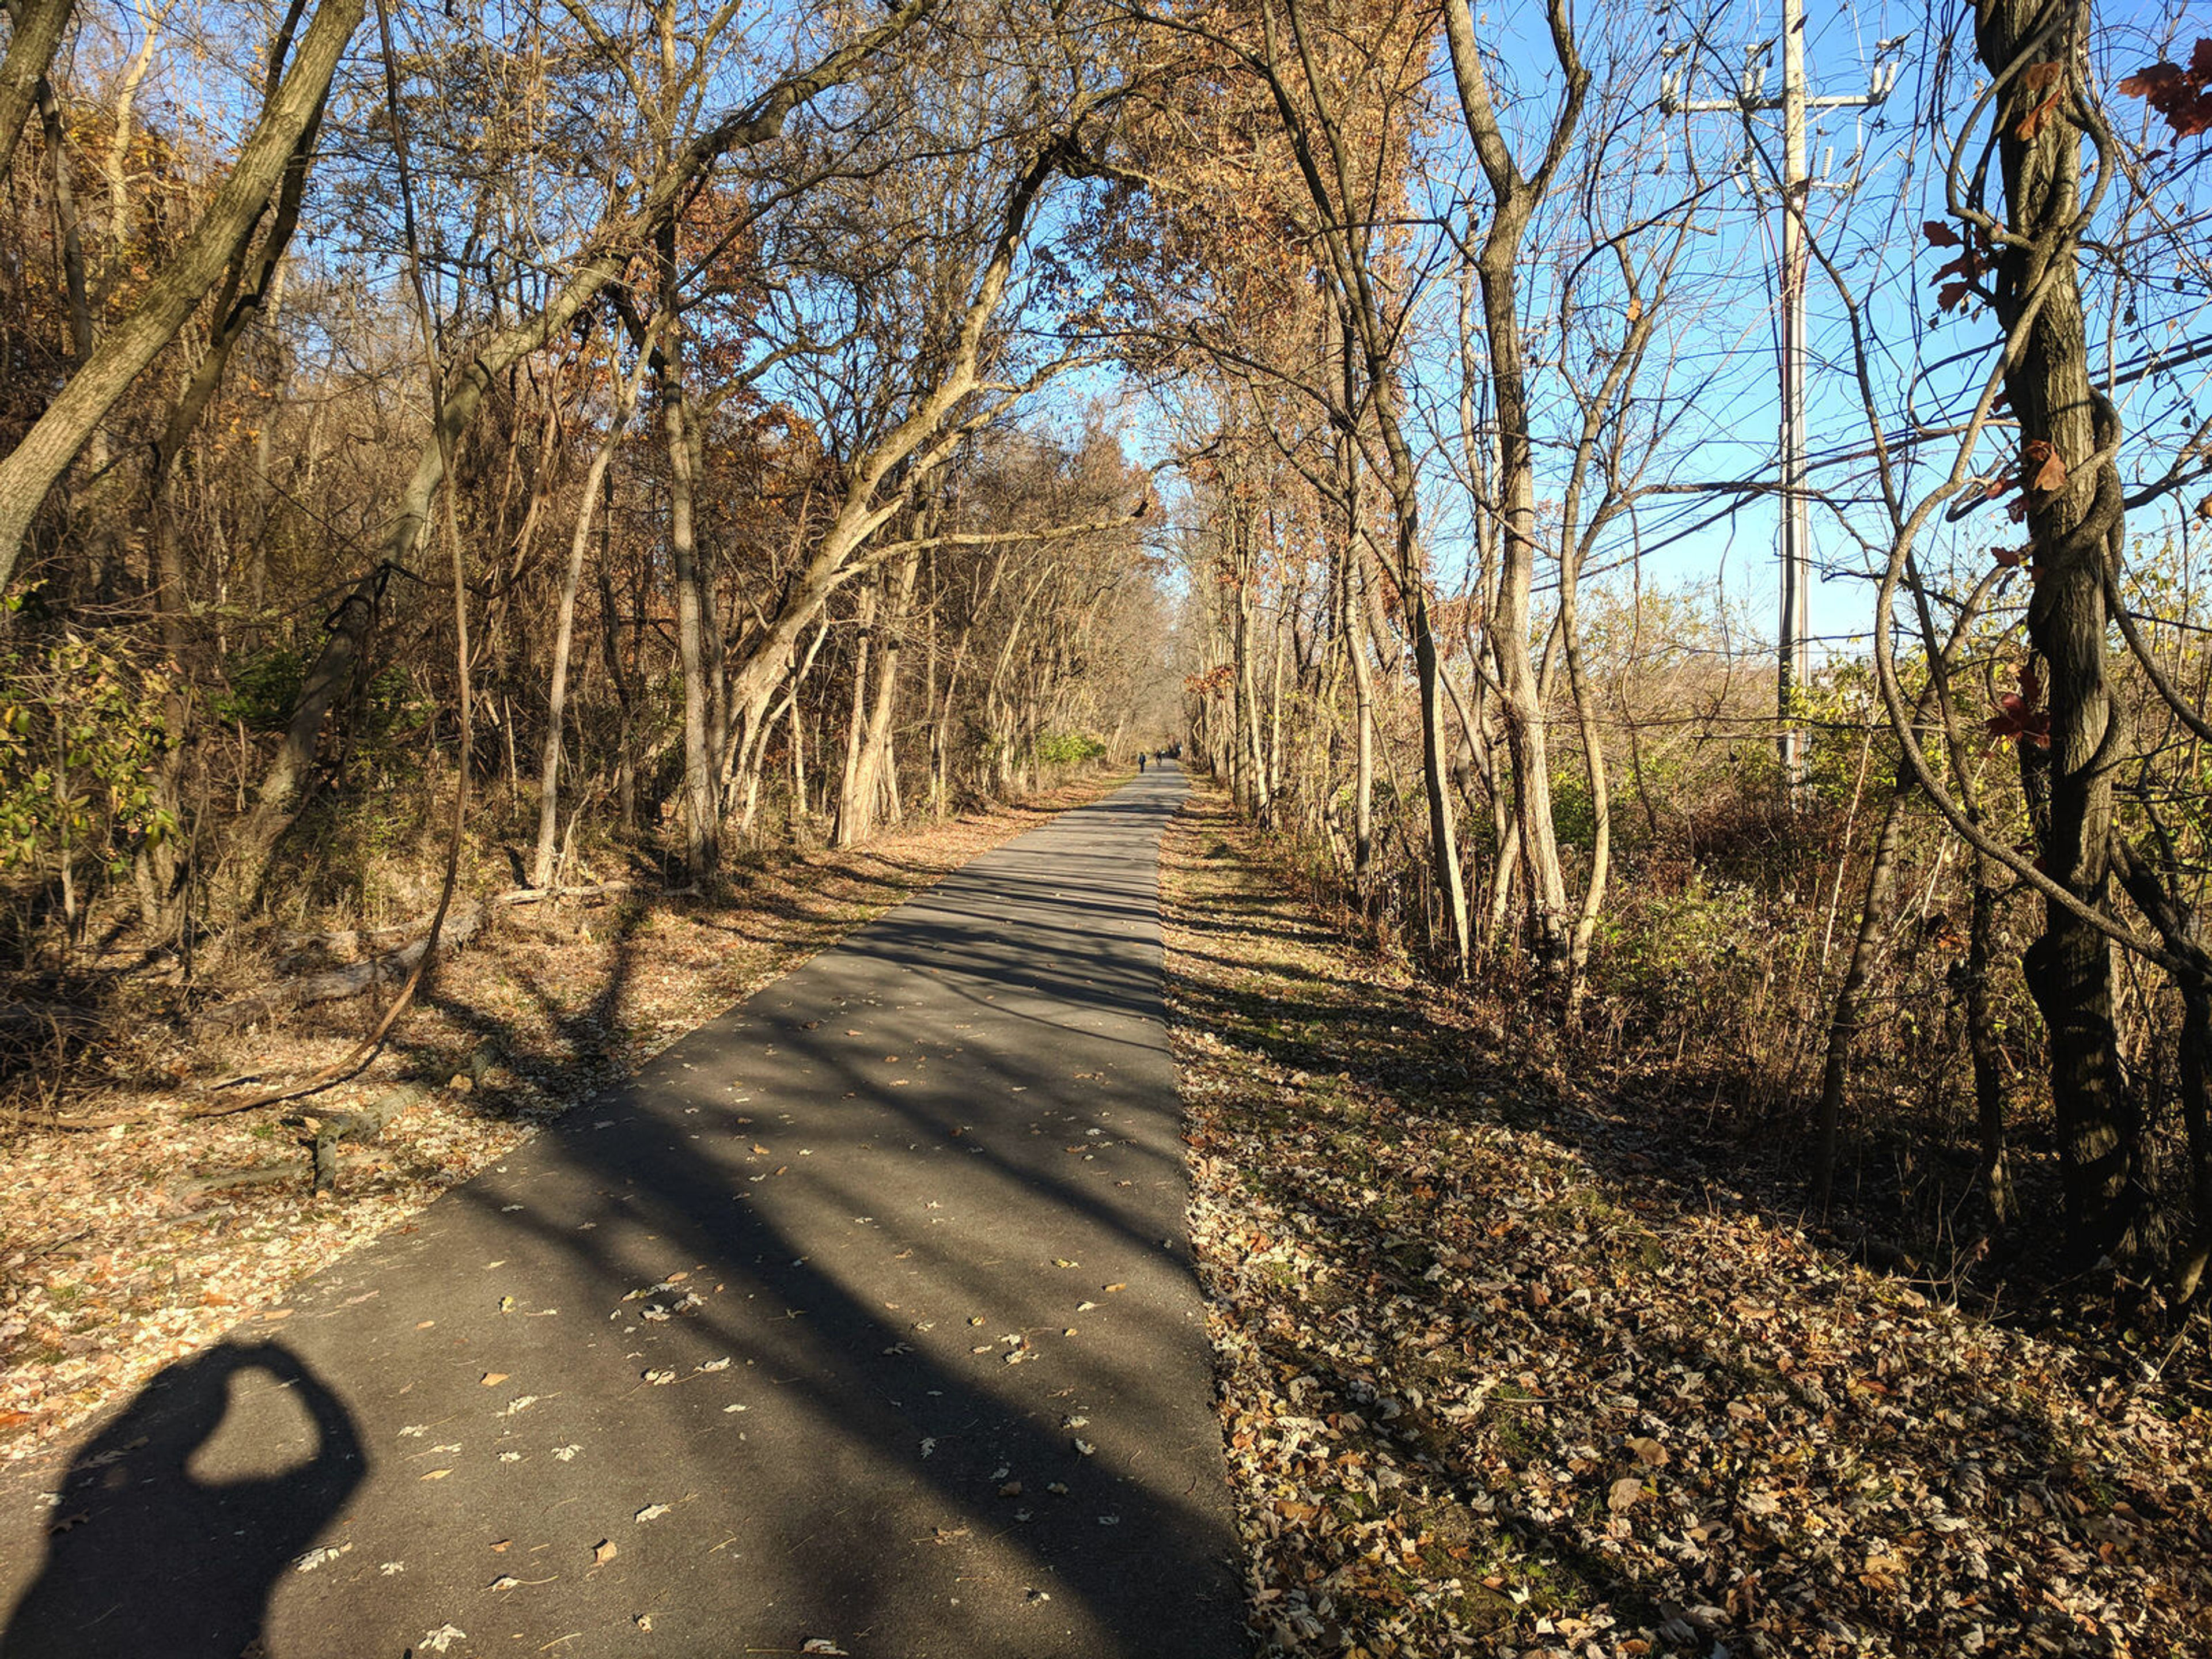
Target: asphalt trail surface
{"type": "Point", "coordinates": [861, 1320]}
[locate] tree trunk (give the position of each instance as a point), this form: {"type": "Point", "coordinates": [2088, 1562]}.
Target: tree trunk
{"type": "Point", "coordinates": [38, 27]}
{"type": "Point", "coordinates": [2197, 1120]}
{"type": "Point", "coordinates": [564, 623]}
{"type": "Point", "coordinates": [79, 308]}
{"type": "Point", "coordinates": [1515, 196]}
{"type": "Point", "coordinates": [118, 146]}
{"type": "Point", "coordinates": [1251, 754]}
{"type": "Point", "coordinates": [870, 795]}
{"type": "Point", "coordinates": [754, 763]}
{"type": "Point", "coordinates": [617, 678]}
{"type": "Point", "coordinates": [842, 828]}
{"type": "Point", "coordinates": [1457, 945]}
{"type": "Point", "coordinates": [1363, 699]}
{"type": "Point", "coordinates": [702, 818]}
{"type": "Point", "coordinates": [1520, 701]}
{"type": "Point", "coordinates": [1281, 648]}
{"type": "Point", "coordinates": [1993, 1175]}
{"type": "Point", "coordinates": [227, 220]}
{"type": "Point", "coordinates": [2068, 968]}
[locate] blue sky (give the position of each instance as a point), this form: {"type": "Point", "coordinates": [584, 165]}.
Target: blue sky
{"type": "Point", "coordinates": [1882, 176]}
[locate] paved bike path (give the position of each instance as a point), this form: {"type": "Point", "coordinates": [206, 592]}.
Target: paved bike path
{"type": "Point", "coordinates": [861, 1320]}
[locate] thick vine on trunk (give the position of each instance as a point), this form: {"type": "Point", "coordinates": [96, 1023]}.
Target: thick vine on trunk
{"type": "Point", "coordinates": [2038, 302]}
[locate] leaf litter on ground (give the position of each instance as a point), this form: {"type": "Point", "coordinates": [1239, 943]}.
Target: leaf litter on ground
{"type": "Point", "coordinates": [1491, 1385]}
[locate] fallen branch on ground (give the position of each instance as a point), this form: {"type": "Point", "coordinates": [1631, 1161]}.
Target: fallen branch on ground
{"type": "Point", "coordinates": [339, 982]}
{"type": "Point", "coordinates": [368, 1123]}
{"type": "Point", "coordinates": [380, 939]}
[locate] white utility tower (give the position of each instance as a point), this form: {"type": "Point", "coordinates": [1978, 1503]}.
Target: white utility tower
{"type": "Point", "coordinates": [1792, 646]}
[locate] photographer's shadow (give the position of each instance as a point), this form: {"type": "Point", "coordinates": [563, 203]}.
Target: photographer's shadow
{"type": "Point", "coordinates": [174, 1523]}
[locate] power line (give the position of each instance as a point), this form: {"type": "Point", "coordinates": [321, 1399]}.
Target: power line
{"type": "Point", "coordinates": [1792, 643]}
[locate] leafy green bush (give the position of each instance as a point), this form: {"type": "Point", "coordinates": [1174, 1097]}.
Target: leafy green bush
{"type": "Point", "coordinates": [1068, 748]}
{"type": "Point", "coordinates": [82, 738]}
{"type": "Point", "coordinates": [263, 687]}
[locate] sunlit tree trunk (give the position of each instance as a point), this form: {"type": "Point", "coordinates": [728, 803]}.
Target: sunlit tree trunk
{"type": "Point", "coordinates": [36, 31]}
{"type": "Point", "coordinates": [1514, 197]}
{"type": "Point", "coordinates": [702, 818]}
{"type": "Point", "coordinates": [564, 619]}
{"type": "Point", "coordinates": [229, 218]}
